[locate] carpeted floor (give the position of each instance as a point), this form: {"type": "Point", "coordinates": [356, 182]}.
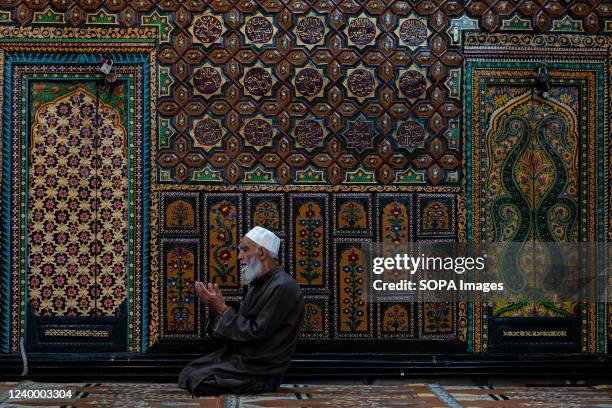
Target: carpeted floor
{"type": "Point", "coordinates": [293, 395]}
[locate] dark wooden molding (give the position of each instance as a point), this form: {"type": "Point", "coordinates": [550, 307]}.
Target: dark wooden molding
{"type": "Point", "coordinates": [315, 366]}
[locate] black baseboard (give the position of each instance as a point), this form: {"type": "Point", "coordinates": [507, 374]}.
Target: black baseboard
{"type": "Point", "coordinates": [316, 366]}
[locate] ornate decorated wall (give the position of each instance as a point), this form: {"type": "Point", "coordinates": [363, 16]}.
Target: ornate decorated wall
{"type": "Point", "coordinates": [333, 123]}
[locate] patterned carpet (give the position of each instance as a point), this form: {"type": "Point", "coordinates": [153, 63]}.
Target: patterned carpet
{"type": "Point", "coordinates": [292, 395]}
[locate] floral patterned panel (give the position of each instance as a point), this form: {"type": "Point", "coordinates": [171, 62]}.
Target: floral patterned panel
{"type": "Point", "coordinates": [77, 211]}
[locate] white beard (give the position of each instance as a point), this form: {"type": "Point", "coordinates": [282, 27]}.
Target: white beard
{"type": "Point", "coordinates": [250, 271]}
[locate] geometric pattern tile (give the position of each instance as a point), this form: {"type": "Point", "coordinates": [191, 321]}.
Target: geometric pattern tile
{"type": "Point", "coordinates": [180, 212]}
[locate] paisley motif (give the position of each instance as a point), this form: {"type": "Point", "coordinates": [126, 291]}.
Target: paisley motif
{"type": "Point", "coordinates": [533, 199]}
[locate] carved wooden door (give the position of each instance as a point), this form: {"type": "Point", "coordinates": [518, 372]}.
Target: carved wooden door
{"type": "Point", "coordinates": [534, 202]}
{"type": "Point", "coordinates": [77, 215]}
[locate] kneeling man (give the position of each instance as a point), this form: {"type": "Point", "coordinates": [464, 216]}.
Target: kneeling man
{"type": "Point", "coordinates": [260, 335]}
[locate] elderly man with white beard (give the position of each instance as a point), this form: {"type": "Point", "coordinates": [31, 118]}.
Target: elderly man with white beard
{"type": "Point", "coordinates": [261, 335]}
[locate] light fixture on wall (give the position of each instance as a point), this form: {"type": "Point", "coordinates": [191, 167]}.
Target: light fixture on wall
{"type": "Point", "coordinates": [107, 69]}
{"type": "Point", "coordinates": [110, 74]}
{"type": "Point", "coordinates": [543, 81]}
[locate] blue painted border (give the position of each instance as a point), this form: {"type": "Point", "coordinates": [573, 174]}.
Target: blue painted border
{"type": "Point", "coordinates": [146, 203]}
{"type": "Point", "coordinates": [5, 265]}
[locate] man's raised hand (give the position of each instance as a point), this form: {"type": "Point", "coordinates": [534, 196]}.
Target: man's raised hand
{"type": "Point", "coordinates": [211, 295]}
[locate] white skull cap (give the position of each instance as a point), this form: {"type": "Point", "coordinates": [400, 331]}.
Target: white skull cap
{"type": "Point", "coordinates": [265, 238]}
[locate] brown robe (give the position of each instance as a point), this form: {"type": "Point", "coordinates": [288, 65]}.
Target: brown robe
{"type": "Point", "coordinates": [260, 337]}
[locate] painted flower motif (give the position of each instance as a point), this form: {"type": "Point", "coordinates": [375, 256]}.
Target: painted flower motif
{"type": "Point", "coordinates": [84, 237]}
{"type": "Point", "coordinates": [87, 109]}
{"type": "Point", "coordinates": [58, 303]}
{"type": "Point", "coordinates": [106, 215]}
{"type": "Point", "coordinates": [34, 281]}
{"type": "Point", "coordinates": [84, 216]}
{"type": "Point", "coordinates": [37, 238]}
{"type": "Point", "coordinates": [64, 109]}
{"type": "Point", "coordinates": [59, 281]}
{"type": "Point", "coordinates": [75, 122]}
{"type": "Point", "coordinates": [117, 161]}
{"type": "Point", "coordinates": [107, 236]}
{"type": "Point", "coordinates": [94, 291]}
{"type": "Point", "coordinates": [84, 172]}
{"type": "Point", "coordinates": [62, 193]}
{"type": "Point", "coordinates": [73, 181]}
{"type": "Point", "coordinates": [73, 161]}
{"type": "Point", "coordinates": [106, 259]}
{"type": "Point", "coordinates": [36, 260]}
{"type": "Point", "coordinates": [39, 192]}
{"type": "Point", "coordinates": [84, 194]}
{"type": "Point", "coordinates": [73, 249]}
{"type": "Point", "coordinates": [60, 259]}
{"type": "Point", "coordinates": [77, 98]}
{"type": "Point", "coordinates": [39, 170]}
{"type": "Point", "coordinates": [107, 131]}
{"type": "Point", "coordinates": [95, 182]}
{"type": "Point", "coordinates": [225, 255]}
{"type": "Point", "coordinates": [225, 210]}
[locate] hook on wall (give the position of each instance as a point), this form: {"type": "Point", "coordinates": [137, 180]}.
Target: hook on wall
{"type": "Point", "coordinates": [107, 69]}
{"type": "Point", "coordinates": [110, 74]}
{"type": "Point", "coordinates": [543, 81]}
